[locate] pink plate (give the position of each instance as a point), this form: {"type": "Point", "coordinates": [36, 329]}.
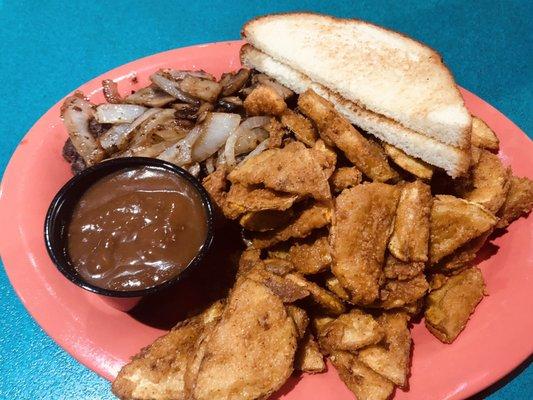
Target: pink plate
{"type": "Point", "coordinates": [497, 339]}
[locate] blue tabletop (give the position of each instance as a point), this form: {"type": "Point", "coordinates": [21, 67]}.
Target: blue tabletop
{"type": "Point", "coordinates": [49, 48]}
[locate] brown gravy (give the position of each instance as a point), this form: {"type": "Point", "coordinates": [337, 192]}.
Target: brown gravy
{"type": "Point", "coordinates": [136, 228]}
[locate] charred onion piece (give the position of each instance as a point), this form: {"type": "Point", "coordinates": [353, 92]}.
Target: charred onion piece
{"type": "Point", "coordinates": [118, 113]}
{"type": "Point", "coordinates": [233, 82]}
{"type": "Point", "coordinates": [110, 89]}
{"type": "Point", "coordinates": [172, 88]}
{"type": "Point", "coordinates": [151, 96]}
{"type": "Point", "coordinates": [76, 113]}
{"type": "Point", "coordinates": [216, 129]}
{"type": "Point", "coordinates": [185, 111]}
{"type": "Point", "coordinates": [230, 104]}
{"type": "Point", "coordinates": [179, 75]}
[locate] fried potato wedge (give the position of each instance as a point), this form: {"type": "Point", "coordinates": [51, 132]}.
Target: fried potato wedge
{"type": "Point", "coordinates": [311, 255]}
{"type": "Point", "coordinates": [360, 379]}
{"type": "Point", "coordinates": [158, 371]}
{"type": "Point", "coordinates": [264, 100]}
{"type": "Point", "coordinates": [314, 217]}
{"type": "Point", "coordinates": [351, 332]}
{"type": "Point", "coordinates": [361, 227]}
{"type": "Point", "coordinates": [396, 293]}
{"type": "Point", "coordinates": [326, 301]}
{"type": "Point", "coordinates": [410, 238]}
{"type": "Point", "coordinates": [293, 169]}
{"type": "Point", "coordinates": [400, 270]}
{"type": "Point", "coordinates": [483, 136]}
{"type": "Point", "coordinates": [415, 166]}
{"type": "Point", "coordinates": [308, 356]}
{"type": "Point", "coordinates": [448, 308]}
{"type": "Point", "coordinates": [519, 201]}
{"type": "Point", "coordinates": [454, 222]}
{"type": "Point", "coordinates": [255, 323]}
{"type": "Point", "coordinates": [462, 256]}
{"type": "Point", "coordinates": [490, 182]}
{"type": "Point", "coordinates": [302, 128]}
{"type": "Point", "coordinates": [243, 199]}
{"type": "Point", "coordinates": [364, 154]}
{"type": "Point", "coordinates": [392, 358]}
{"type": "Point", "coordinates": [345, 177]}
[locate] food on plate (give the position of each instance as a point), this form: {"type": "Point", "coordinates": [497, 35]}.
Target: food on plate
{"type": "Point", "coordinates": [410, 236]}
{"type": "Point", "coordinates": [449, 306]}
{"type": "Point", "coordinates": [249, 354]}
{"type": "Point", "coordinates": [454, 222]}
{"type": "Point", "coordinates": [406, 98]}
{"type": "Point", "coordinates": [136, 228]}
{"type": "Point", "coordinates": [360, 379]}
{"type": "Point", "coordinates": [390, 358]}
{"type": "Point", "coordinates": [158, 371]}
{"type": "Point", "coordinates": [482, 136]}
{"type": "Point", "coordinates": [363, 189]}
{"type": "Point", "coordinates": [350, 332]}
{"type": "Point", "coordinates": [360, 231]}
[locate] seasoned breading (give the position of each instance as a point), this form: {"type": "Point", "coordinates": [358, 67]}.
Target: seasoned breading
{"type": "Point", "coordinates": [364, 154]}
{"type": "Point", "coordinates": [333, 284]}
{"type": "Point", "coordinates": [242, 199]}
{"type": "Point", "coordinates": [158, 371]}
{"type": "Point", "coordinates": [325, 157]}
{"type": "Point", "coordinates": [490, 182]}
{"type": "Point", "coordinates": [311, 255]}
{"type": "Point", "coordinates": [391, 359]}
{"type": "Point", "coordinates": [255, 323]}
{"type": "Point", "coordinates": [326, 301]}
{"type": "Point", "coordinates": [249, 259]}
{"type": "Point", "coordinates": [463, 255]}
{"type": "Point", "coordinates": [350, 332]}
{"type": "Point", "coordinates": [519, 201]}
{"type": "Point", "coordinates": [278, 266]}
{"type": "Point", "coordinates": [398, 269]}
{"type": "Point", "coordinates": [413, 165]}
{"type": "Point", "coordinates": [300, 318]}
{"type": "Point", "coordinates": [410, 238]}
{"type": "Point", "coordinates": [302, 128]}
{"type": "Point", "coordinates": [454, 222]}
{"type": "Point", "coordinates": [314, 217]}
{"type": "Point", "coordinates": [396, 293]}
{"type": "Point", "coordinates": [361, 227]}
{"type": "Point", "coordinates": [361, 380]}
{"type": "Point", "coordinates": [266, 220]}
{"type": "Point", "coordinates": [216, 184]}
{"type": "Point", "coordinates": [276, 131]}
{"type": "Point", "coordinates": [483, 136]}
{"type": "Point", "coordinates": [293, 169]}
{"type": "Point", "coordinates": [263, 100]}
{"type": "Point", "coordinates": [308, 356]}
{"type": "Point", "coordinates": [287, 290]}
{"type": "Point", "coordinates": [448, 308]}
{"type": "Point", "coordinates": [345, 177]}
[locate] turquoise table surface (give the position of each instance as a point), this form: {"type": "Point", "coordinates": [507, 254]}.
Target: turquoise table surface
{"type": "Point", "coordinates": [48, 48]}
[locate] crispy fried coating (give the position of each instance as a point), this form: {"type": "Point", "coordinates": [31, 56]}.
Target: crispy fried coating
{"type": "Point", "coordinates": [255, 323]}
{"type": "Point", "coordinates": [278, 266]}
{"type": "Point", "coordinates": [410, 238]}
{"type": "Point", "coordinates": [483, 136]}
{"type": "Point", "coordinates": [415, 166]}
{"type": "Point", "coordinates": [345, 177]}
{"type": "Point", "coordinates": [276, 131]}
{"type": "Point", "coordinates": [455, 222]}
{"type": "Point", "coordinates": [308, 356]}
{"type": "Point", "coordinates": [361, 227]}
{"type": "Point", "coordinates": [266, 220]}
{"type": "Point", "coordinates": [396, 293]}
{"type": "Point", "coordinates": [519, 201]}
{"type": "Point", "coordinates": [334, 286]}
{"type": "Point", "coordinates": [325, 157]}
{"type": "Point", "coordinates": [287, 290]}
{"type": "Point", "coordinates": [391, 359]}
{"type": "Point", "coordinates": [311, 255]}
{"type": "Point", "coordinates": [448, 308]}
{"type": "Point", "coordinates": [300, 318]}
{"type": "Point", "coordinates": [158, 371]}
{"type": "Point", "coordinates": [302, 128]}
{"type": "Point", "coordinates": [243, 199]}
{"type": "Point", "coordinates": [360, 379]}
{"type": "Point", "coordinates": [216, 184]}
{"type": "Point", "coordinates": [351, 332]}
{"type": "Point", "coordinates": [365, 155]}
{"type": "Point", "coordinates": [490, 182]}
{"type": "Point", "coordinates": [249, 259]}
{"type": "Point", "coordinates": [293, 169]}
{"type": "Point", "coordinates": [263, 100]}
{"type": "Point", "coordinates": [398, 269]}
{"type": "Point", "coordinates": [463, 255]}
{"type": "Point", "coordinates": [314, 217]}
{"type": "Point", "coordinates": [325, 301]}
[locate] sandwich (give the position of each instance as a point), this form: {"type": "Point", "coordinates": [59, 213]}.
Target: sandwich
{"type": "Point", "coordinates": [386, 84]}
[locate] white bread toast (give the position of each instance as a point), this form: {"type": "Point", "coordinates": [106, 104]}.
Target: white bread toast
{"type": "Point", "coordinates": [454, 160]}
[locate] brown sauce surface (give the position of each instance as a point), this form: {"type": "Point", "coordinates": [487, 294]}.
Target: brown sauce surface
{"type": "Point", "coordinates": [136, 228]}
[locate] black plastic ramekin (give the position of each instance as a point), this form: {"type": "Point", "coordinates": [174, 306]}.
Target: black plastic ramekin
{"type": "Point", "coordinates": [60, 213]}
